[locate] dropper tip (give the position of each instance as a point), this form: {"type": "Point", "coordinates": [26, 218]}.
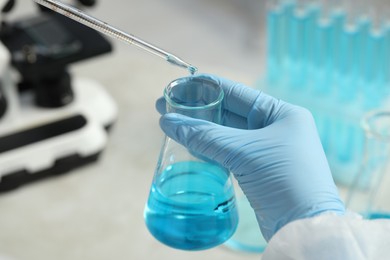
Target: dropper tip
{"type": "Point", "coordinates": [192, 69]}
{"type": "Point", "coordinates": [178, 62]}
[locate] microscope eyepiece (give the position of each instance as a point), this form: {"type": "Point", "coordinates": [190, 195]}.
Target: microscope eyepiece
{"type": "Point", "coordinates": [87, 2]}
{"type": "Point", "coordinates": [8, 6]}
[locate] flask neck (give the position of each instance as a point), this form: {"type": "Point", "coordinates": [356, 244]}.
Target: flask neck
{"type": "Point", "coordinates": [195, 97]}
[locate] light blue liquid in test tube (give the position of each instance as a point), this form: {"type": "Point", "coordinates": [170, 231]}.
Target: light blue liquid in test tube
{"type": "Point", "coordinates": [376, 48]}
{"type": "Point", "coordinates": [349, 43]}
{"type": "Point", "coordinates": [376, 43]}
{"type": "Point", "coordinates": [274, 41]}
{"type": "Point", "coordinates": [338, 18]}
{"type": "Point", "coordinates": [350, 144]}
{"type": "Point", "coordinates": [323, 55]}
{"type": "Point", "coordinates": [365, 24]}
{"type": "Point", "coordinates": [313, 11]}
{"type": "Point", "coordinates": [352, 65]}
{"type": "Point", "coordinates": [327, 41]}
{"type": "Point", "coordinates": [383, 66]}
{"type": "Point", "coordinates": [288, 9]}
{"type": "Point", "coordinates": [278, 42]}
{"type": "Point", "coordinates": [298, 21]}
{"type": "Point", "coordinates": [386, 68]}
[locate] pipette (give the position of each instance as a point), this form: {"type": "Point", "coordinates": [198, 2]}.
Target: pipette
{"type": "Point", "coordinates": [94, 23]}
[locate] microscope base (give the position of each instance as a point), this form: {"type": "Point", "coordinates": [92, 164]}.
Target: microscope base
{"type": "Point", "coordinates": [37, 143]}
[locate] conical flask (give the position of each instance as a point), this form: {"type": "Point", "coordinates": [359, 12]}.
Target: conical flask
{"type": "Point", "coordinates": [191, 205]}
{"type": "Point", "coordinates": [370, 193]}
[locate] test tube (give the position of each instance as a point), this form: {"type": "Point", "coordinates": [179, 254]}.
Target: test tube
{"type": "Point", "coordinates": [304, 22]}
{"type": "Point", "coordinates": [288, 7]}
{"type": "Point", "coordinates": [386, 68]}
{"type": "Point", "coordinates": [346, 135]}
{"type": "Point", "coordinates": [384, 52]}
{"type": "Point", "coordinates": [338, 18]}
{"type": "Point", "coordinates": [375, 62]}
{"type": "Point", "coordinates": [296, 23]}
{"type": "Point", "coordinates": [324, 47]}
{"type": "Point", "coordinates": [274, 41]}
{"type": "Point", "coordinates": [348, 65]}
{"type": "Point", "coordinates": [313, 12]}
{"type": "Point", "coordinates": [387, 56]}
{"type": "Point", "coordinates": [365, 24]}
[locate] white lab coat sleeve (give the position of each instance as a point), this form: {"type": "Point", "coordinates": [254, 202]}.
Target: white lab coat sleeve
{"type": "Point", "coordinates": [329, 236]}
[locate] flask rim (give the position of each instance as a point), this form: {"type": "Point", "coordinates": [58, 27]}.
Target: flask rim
{"type": "Point", "coordinates": [182, 80]}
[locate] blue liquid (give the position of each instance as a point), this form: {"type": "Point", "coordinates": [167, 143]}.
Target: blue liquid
{"type": "Point", "coordinates": [277, 46]}
{"type": "Point", "coordinates": [376, 46]}
{"type": "Point", "coordinates": [297, 47]}
{"type": "Point", "coordinates": [346, 141]}
{"type": "Point", "coordinates": [274, 44]}
{"type": "Point", "coordinates": [302, 31]}
{"type": "Point", "coordinates": [378, 215]}
{"type": "Point", "coordinates": [348, 63]}
{"type": "Point", "coordinates": [338, 19]}
{"type": "Point", "coordinates": [310, 29]}
{"type": "Point", "coordinates": [323, 56]}
{"type": "Point", "coordinates": [192, 206]}
{"type": "Point", "coordinates": [386, 55]}
{"type": "Point", "coordinates": [363, 55]}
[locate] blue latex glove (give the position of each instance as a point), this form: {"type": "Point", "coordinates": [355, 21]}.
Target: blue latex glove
{"type": "Point", "coordinates": [270, 146]}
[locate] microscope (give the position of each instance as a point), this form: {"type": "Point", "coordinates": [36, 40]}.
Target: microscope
{"type": "Point", "coordinates": [51, 122]}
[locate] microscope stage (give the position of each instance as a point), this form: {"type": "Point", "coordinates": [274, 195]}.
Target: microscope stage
{"type": "Point", "coordinates": [39, 142]}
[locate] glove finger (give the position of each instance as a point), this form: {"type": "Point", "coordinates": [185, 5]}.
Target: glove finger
{"type": "Point", "coordinates": [258, 108]}
{"type": "Point", "coordinates": [161, 105]}
{"type": "Point", "coordinates": [233, 120]}
{"type": "Point", "coordinates": [239, 99]}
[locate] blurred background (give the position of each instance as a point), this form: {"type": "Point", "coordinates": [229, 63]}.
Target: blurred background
{"type": "Point", "coordinates": [332, 57]}
{"type": "Point", "coordinates": [96, 211]}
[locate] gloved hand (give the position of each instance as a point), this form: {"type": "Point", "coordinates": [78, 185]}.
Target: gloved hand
{"type": "Point", "coordinates": [271, 147]}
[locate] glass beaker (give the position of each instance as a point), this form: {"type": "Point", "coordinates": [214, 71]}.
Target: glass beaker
{"type": "Point", "coordinates": [370, 193]}
{"type": "Point", "coordinates": [191, 205]}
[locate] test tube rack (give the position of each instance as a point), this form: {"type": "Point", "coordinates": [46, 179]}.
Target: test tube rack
{"type": "Point", "coordinates": [337, 67]}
